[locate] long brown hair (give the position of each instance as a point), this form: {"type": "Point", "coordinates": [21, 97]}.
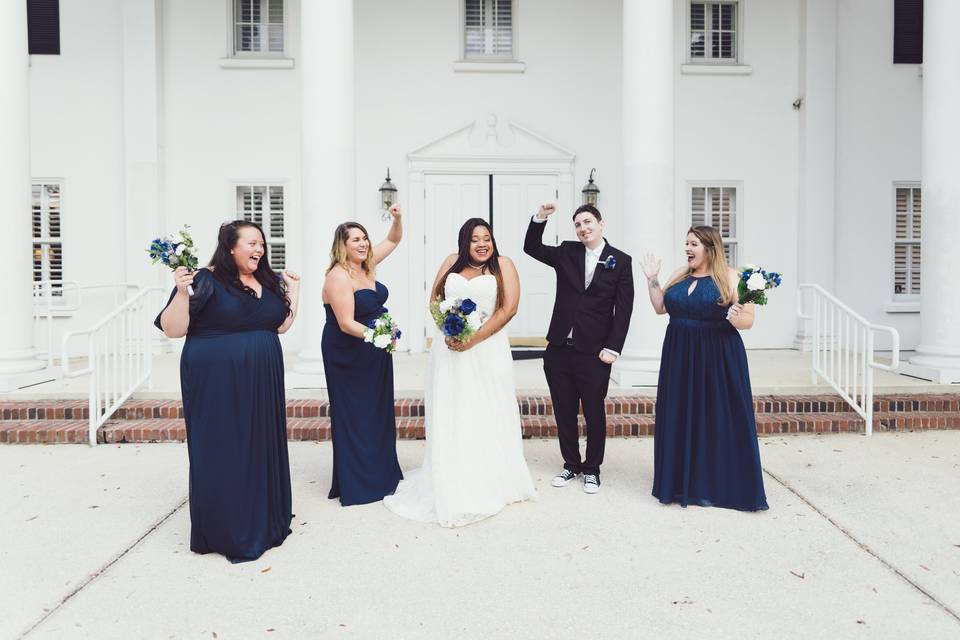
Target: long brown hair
{"type": "Point", "coordinates": [338, 252]}
{"type": "Point", "coordinates": [225, 269]}
{"type": "Point", "coordinates": [463, 258]}
{"type": "Point", "coordinates": [719, 270]}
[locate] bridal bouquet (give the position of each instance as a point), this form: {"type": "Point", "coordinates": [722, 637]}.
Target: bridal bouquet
{"type": "Point", "coordinates": [457, 318]}
{"type": "Point", "coordinates": [383, 333]}
{"type": "Point", "coordinates": [754, 282]}
{"type": "Point", "coordinates": [175, 250]}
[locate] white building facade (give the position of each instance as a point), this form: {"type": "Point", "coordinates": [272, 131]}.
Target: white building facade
{"type": "Point", "coordinates": [785, 123]}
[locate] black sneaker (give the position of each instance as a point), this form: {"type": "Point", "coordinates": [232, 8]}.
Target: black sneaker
{"type": "Point", "coordinates": [591, 483]}
{"type": "Point", "coordinates": [564, 478]}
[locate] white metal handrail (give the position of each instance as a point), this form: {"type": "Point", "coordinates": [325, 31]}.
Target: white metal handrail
{"type": "Point", "coordinates": [843, 350]}
{"type": "Point", "coordinates": [52, 297]}
{"type": "Point", "coordinates": [119, 358]}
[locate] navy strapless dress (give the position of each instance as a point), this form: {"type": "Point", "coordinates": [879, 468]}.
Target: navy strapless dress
{"type": "Point", "coordinates": [231, 379]}
{"type": "Point", "coordinates": [705, 441]}
{"type": "Point", "coordinates": [360, 388]}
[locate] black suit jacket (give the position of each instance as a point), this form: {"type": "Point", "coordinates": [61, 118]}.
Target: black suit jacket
{"type": "Point", "coordinates": [600, 314]}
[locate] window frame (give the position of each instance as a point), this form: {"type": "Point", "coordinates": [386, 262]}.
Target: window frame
{"type": "Point", "coordinates": [905, 297]}
{"type": "Point", "coordinates": [735, 243]}
{"type": "Point", "coordinates": [232, 51]}
{"type": "Point", "coordinates": [705, 61]}
{"type": "Point", "coordinates": [237, 214]}
{"type": "Point", "coordinates": [45, 240]}
{"type": "Point", "coordinates": [488, 58]}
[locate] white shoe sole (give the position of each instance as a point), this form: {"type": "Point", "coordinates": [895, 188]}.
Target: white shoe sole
{"type": "Point", "coordinates": [558, 483]}
{"type": "Point", "coordinates": [591, 488]}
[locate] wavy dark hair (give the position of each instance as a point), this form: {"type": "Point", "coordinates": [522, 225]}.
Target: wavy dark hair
{"type": "Point", "coordinates": [492, 264]}
{"type": "Point", "coordinates": [225, 269]}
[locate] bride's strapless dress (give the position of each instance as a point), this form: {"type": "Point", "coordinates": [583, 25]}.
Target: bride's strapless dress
{"type": "Point", "coordinates": [474, 464]}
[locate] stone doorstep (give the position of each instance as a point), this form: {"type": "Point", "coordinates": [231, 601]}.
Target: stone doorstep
{"type": "Point", "coordinates": [623, 425]}
{"type": "Point", "coordinates": [528, 405]}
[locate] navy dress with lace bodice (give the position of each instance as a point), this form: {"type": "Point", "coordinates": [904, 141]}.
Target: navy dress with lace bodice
{"type": "Point", "coordinates": [705, 440]}
{"type": "Point", "coordinates": [234, 406]}
{"type": "Point", "coordinates": [360, 389]}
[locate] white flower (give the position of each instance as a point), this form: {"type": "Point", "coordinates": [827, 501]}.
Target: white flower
{"type": "Point", "coordinates": [181, 248]}
{"type": "Point", "coordinates": [380, 323]}
{"type": "Point", "coordinates": [475, 319]}
{"type": "Point", "coordinates": [382, 341]}
{"type": "Point", "coordinates": [446, 305]}
{"type": "Point", "coordinates": [368, 335]}
{"type": "Point", "coordinates": [757, 282]}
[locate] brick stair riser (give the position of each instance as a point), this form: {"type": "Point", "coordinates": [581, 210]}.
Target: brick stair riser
{"type": "Point", "coordinates": [528, 405]}
{"type": "Point", "coordinates": [318, 429]}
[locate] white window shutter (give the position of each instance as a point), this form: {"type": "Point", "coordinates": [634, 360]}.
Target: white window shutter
{"type": "Point", "coordinates": [264, 205]}
{"type": "Point", "coordinates": [488, 29]}
{"type": "Point", "coordinates": [906, 243]}
{"type": "Point", "coordinates": [45, 217]}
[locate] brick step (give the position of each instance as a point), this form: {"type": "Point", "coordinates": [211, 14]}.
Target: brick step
{"type": "Point", "coordinates": [529, 405]}
{"type": "Point", "coordinates": [318, 429]}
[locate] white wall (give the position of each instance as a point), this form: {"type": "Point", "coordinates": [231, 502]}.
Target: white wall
{"type": "Point", "coordinates": [743, 128]}
{"type": "Point", "coordinates": [878, 140]}
{"type": "Point", "coordinates": [76, 134]}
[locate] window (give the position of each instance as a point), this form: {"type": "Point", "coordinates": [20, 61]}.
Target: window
{"type": "Point", "coordinates": [716, 206]}
{"type": "Point", "coordinates": [488, 30]}
{"type": "Point", "coordinates": [258, 27]}
{"type": "Point", "coordinates": [906, 242]}
{"type": "Point", "coordinates": [47, 246]}
{"type": "Point", "coordinates": [714, 32]}
{"type": "Point", "coordinates": [264, 204]}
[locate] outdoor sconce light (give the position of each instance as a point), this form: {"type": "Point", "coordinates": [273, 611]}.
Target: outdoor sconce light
{"type": "Point", "coordinates": [388, 195]}
{"type": "Point", "coordinates": [591, 193]}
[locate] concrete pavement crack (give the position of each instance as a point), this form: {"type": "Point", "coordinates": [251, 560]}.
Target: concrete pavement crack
{"type": "Point", "coordinates": [93, 576]}
{"type": "Point", "coordinates": [865, 547]}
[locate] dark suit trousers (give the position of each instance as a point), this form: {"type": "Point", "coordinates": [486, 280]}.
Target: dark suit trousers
{"type": "Point", "coordinates": [576, 378]}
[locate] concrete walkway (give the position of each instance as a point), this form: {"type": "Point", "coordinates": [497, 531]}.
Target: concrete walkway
{"type": "Point", "coordinates": [862, 541]}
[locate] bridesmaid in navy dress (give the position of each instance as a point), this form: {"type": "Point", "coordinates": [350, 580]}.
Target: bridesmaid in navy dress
{"type": "Point", "coordinates": [359, 375]}
{"type": "Point", "coordinates": [231, 379]}
{"type": "Point", "coordinates": [705, 440]}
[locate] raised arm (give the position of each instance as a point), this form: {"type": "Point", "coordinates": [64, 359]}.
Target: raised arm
{"type": "Point", "coordinates": [651, 269]}
{"type": "Point", "coordinates": [386, 247]}
{"type": "Point", "coordinates": [292, 281]}
{"type": "Point", "coordinates": [338, 292]}
{"type": "Point", "coordinates": [740, 316]}
{"type": "Point", "coordinates": [500, 317]}
{"type": "Point", "coordinates": [533, 242]}
{"type": "Point", "coordinates": [175, 319]}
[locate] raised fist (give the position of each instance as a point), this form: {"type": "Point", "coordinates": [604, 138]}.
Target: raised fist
{"type": "Point", "coordinates": [546, 209]}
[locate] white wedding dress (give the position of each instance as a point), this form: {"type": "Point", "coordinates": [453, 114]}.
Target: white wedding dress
{"type": "Point", "coordinates": [474, 464]}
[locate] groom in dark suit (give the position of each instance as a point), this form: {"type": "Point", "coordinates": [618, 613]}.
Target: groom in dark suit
{"type": "Point", "coordinates": [591, 315]}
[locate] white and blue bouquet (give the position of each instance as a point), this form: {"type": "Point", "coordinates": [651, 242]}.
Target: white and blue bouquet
{"type": "Point", "coordinates": [754, 282]}
{"type": "Point", "coordinates": [383, 333]}
{"type": "Point", "coordinates": [457, 318]}
{"type": "Point", "coordinates": [175, 250]}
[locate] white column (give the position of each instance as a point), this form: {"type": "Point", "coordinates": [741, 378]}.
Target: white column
{"type": "Point", "coordinates": [938, 354]}
{"type": "Point", "coordinates": [327, 158]}
{"type": "Point", "coordinates": [648, 173]}
{"type": "Point", "coordinates": [18, 363]}
{"type": "Point", "coordinates": [818, 125]}
{"type": "Point", "coordinates": [141, 138]}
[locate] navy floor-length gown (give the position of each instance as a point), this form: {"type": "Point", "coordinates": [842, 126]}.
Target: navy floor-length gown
{"type": "Point", "coordinates": [360, 388]}
{"type": "Point", "coordinates": [705, 440]}
{"type": "Point", "coordinates": [231, 379]}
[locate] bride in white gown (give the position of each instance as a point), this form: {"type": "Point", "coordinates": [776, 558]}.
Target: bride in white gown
{"type": "Point", "coordinates": [474, 464]}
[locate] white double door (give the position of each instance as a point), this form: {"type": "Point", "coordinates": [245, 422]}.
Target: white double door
{"type": "Point", "coordinates": [506, 201]}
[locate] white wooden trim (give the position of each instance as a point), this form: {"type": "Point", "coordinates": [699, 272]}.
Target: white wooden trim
{"type": "Point", "coordinates": [477, 66]}
{"type": "Point", "coordinates": [248, 62]}
{"type": "Point", "coordinates": [716, 69]}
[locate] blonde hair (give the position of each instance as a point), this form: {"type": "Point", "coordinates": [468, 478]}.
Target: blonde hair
{"type": "Point", "coordinates": [719, 270]}
{"type": "Point", "coordinates": [338, 252]}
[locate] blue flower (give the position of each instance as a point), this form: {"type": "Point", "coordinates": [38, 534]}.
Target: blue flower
{"type": "Point", "coordinates": [372, 324]}
{"type": "Point", "coordinates": [467, 307]}
{"type": "Point", "coordinates": [397, 335]}
{"type": "Point", "coordinates": [609, 263]}
{"type": "Point", "coordinates": [453, 325]}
